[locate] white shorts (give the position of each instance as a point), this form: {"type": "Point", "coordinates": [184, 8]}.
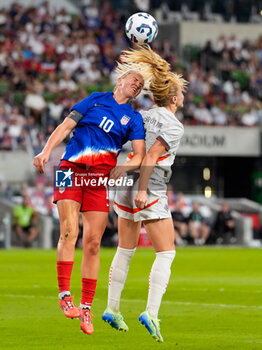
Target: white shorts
{"type": "Point", "coordinates": [157, 207]}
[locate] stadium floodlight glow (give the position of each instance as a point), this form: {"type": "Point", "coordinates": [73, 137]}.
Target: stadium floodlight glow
{"type": "Point", "coordinates": [206, 174]}
{"type": "Point", "coordinates": [208, 192]}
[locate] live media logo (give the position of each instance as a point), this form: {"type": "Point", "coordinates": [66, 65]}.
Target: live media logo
{"type": "Point", "coordinates": [64, 178]}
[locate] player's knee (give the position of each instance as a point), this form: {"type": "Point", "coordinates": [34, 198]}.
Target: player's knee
{"type": "Point", "coordinates": [92, 247]}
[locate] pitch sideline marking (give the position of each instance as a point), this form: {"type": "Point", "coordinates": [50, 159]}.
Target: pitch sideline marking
{"type": "Point", "coordinates": [200, 304]}
{"type": "Point", "coordinates": [142, 301]}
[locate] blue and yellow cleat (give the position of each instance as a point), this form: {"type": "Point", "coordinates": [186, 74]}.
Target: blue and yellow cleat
{"type": "Point", "coordinates": [152, 325]}
{"type": "Point", "coordinates": [115, 319]}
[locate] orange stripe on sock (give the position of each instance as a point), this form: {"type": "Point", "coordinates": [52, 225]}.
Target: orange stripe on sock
{"type": "Point", "coordinates": [136, 210]}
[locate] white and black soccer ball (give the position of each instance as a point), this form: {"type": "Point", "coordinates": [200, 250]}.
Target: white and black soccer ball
{"type": "Point", "coordinates": [141, 28]}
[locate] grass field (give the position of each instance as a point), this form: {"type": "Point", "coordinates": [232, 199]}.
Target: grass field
{"type": "Point", "coordinates": [213, 301]}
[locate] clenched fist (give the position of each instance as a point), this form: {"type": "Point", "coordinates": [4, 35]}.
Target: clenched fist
{"type": "Point", "coordinates": [40, 161]}
{"type": "Point", "coordinates": [141, 199]}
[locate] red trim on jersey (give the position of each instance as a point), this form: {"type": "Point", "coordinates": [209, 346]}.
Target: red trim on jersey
{"type": "Point", "coordinates": [162, 143]}
{"type": "Point", "coordinates": [130, 156]}
{"type": "Point", "coordinates": [162, 158]}
{"type": "Point", "coordinates": [108, 159]}
{"type": "Point", "coordinates": [136, 210]}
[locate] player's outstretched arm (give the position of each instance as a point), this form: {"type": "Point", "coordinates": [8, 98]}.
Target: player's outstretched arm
{"type": "Point", "coordinates": [139, 149]}
{"type": "Point", "coordinates": [55, 139]}
{"type": "Point", "coordinates": [146, 170]}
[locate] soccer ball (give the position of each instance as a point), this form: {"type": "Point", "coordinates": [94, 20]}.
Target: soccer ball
{"type": "Point", "coordinates": [141, 28]}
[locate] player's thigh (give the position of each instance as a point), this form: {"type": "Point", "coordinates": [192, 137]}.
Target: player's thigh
{"type": "Point", "coordinates": [68, 211]}
{"type": "Point", "coordinates": [94, 224]}
{"type": "Point", "coordinates": [161, 233]}
{"type": "Point", "coordinates": [128, 233]}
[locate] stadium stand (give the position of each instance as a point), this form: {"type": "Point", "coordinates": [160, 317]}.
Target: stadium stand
{"type": "Point", "coordinates": [52, 57]}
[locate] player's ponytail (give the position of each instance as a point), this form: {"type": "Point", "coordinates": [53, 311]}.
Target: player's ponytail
{"type": "Point", "coordinates": [164, 88]}
{"type": "Point", "coordinates": [156, 73]}
{"type": "Point", "coordinates": [145, 61]}
{"type": "Point", "coordinates": [144, 54]}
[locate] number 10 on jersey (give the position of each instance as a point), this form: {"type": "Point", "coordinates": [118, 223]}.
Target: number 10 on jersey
{"type": "Point", "coordinates": [106, 124]}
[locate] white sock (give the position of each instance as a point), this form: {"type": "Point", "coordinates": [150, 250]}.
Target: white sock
{"type": "Point", "coordinates": [66, 293]}
{"type": "Point", "coordinates": [85, 307]}
{"type": "Point", "coordinates": [117, 276]}
{"type": "Point", "coordinates": [158, 280]}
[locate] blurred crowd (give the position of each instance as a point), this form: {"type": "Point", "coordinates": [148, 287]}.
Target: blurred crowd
{"type": "Point", "coordinates": [225, 83]}
{"type": "Point", "coordinates": [50, 59]}
{"type": "Point", "coordinates": [207, 10]}
{"type": "Point", "coordinates": [197, 224]}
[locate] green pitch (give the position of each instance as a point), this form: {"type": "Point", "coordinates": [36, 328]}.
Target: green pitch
{"type": "Point", "coordinates": [213, 301]}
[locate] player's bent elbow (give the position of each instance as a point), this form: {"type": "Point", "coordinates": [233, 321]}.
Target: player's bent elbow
{"type": "Point", "coordinates": [151, 158]}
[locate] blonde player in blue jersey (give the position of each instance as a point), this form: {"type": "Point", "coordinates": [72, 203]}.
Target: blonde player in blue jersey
{"type": "Point", "coordinates": [147, 201]}
{"type": "Point", "coordinates": [101, 123]}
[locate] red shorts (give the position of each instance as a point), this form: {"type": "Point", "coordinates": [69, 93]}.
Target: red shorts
{"type": "Point", "coordinates": [82, 184]}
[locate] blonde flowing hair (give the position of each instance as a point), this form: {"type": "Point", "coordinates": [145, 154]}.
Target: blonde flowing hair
{"type": "Point", "coordinates": [156, 72]}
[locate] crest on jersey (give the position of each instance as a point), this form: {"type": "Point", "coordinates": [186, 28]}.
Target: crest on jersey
{"type": "Point", "coordinates": [124, 120]}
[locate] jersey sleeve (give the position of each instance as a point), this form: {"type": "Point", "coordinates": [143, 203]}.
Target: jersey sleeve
{"type": "Point", "coordinates": [137, 131]}
{"type": "Point", "coordinates": [170, 136]}
{"type": "Point", "coordinates": [80, 108]}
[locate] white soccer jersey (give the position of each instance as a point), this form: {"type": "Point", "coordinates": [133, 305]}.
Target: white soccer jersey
{"type": "Point", "coordinates": [161, 124]}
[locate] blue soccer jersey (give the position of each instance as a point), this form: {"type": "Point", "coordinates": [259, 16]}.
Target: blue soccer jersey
{"type": "Point", "coordinates": [103, 126]}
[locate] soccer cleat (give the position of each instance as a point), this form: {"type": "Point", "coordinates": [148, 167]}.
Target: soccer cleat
{"type": "Point", "coordinates": [115, 319]}
{"type": "Point", "coordinates": [86, 321]}
{"type": "Point", "coordinates": [68, 307]}
{"type": "Point", "coordinates": [152, 325]}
